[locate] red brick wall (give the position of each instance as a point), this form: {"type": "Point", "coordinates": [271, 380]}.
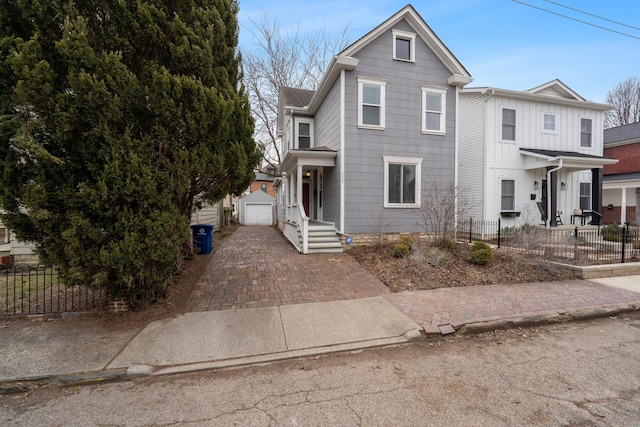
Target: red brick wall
{"type": "Point", "coordinates": [629, 156]}
{"type": "Point", "coordinates": [613, 216]}
{"type": "Point", "coordinates": [257, 185]}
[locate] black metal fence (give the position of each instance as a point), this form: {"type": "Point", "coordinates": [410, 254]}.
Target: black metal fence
{"type": "Point", "coordinates": [27, 290]}
{"type": "Point", "coordinates": [580, 246]}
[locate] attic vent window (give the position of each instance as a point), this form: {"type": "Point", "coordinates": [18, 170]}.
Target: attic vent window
{"type": "Point", "coordinates": [404, 46]}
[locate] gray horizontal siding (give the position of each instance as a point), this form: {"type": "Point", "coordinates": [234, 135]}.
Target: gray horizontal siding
{"type": "Point", "coordinates": [364, 148]}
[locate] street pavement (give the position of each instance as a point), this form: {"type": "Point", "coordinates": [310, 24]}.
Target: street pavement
{"type": "Point", "coordinates": [261, 301]}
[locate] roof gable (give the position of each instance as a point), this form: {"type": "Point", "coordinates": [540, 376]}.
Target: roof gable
{"type": "Point", "coordinates": [556, 88]}
{"type": "Point", "coordinates": [413, 18]}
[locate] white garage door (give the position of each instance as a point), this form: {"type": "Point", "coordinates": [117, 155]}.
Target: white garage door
{"type": "Point", "coordinates": [258, 214]}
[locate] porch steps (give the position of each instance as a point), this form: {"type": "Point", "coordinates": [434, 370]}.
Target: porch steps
{"type": "Point", "coordinates": [323, 239]}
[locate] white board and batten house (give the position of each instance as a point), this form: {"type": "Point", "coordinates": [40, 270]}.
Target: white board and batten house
{"type": "Point", "coordinates": [533, 156]}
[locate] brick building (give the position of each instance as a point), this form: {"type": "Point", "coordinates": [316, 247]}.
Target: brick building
{"type": "Point", "coordinates": [621, 181]}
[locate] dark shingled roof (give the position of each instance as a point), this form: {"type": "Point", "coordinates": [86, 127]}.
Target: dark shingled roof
{"type": "Point", "coordinates": [622, 133]}
{"type": "Point", "coordinates": [551, 153]}
{"type": "Point", "coordinates": [292, 97]}
{"type": "Point", "coordinates": [622, 177]}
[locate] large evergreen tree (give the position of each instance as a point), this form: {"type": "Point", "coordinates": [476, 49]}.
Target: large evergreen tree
{"type": "Point", "coordinates": [115, 116]}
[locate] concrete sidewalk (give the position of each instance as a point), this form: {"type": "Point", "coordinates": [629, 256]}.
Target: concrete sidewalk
{"type": "Point", "coordinates": [80, 351]}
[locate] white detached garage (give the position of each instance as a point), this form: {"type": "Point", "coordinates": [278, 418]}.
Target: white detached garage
{"type": "Point", "coordinates": [257, 209]}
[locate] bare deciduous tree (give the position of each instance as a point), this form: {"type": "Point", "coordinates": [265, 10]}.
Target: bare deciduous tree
{"type": "Point", "coordinates": [625, 97]}
{"type": "Point", "coordinates": [440, 204]}
{"type": "Point", "coordinates": [278, 59]}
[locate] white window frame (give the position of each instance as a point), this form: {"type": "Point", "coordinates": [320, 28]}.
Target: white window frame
{"type": "Point", "coordinates": [411, 38]}
{"type": "Point", "coordinates": [413, 161]}
{"type": "Point", "coordinates": [587, 196]}
{"type": "Point", "coordinates": [443, 113]}
{"type": "Point", "coordinates": [373, 82]}
{"type": "Point", "coordinates": [296, 140]}
{"type": "Point", "coordinates": [591, 134]}
{"type": "Point", "coordinates": [553, 130]}
{"type": "Point", "coordinates": [514, 195]}
{"type": "Point", "coordinates": [515, 126]}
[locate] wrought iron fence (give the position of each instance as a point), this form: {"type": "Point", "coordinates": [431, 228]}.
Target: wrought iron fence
{"type": "Point", "coordinates": [27, 290]}
{"type": "Point", "coordinates": [608, 244]}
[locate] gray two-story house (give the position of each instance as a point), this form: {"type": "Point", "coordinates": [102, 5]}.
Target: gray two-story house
{"type": "Point", "coordinates": [379, 129]}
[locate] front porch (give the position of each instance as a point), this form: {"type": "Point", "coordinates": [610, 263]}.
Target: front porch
{"type": "Point", "coordinates": [568, 184]}
{"type": "Point", "coordinates": [305, 226]}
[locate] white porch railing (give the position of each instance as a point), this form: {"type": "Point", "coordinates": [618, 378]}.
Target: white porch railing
{"type": "Point", "coordinates": [297, 225]}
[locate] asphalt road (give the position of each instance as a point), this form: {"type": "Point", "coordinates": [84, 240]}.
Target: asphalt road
{"type": "Point", "coordinates": [573, 374]}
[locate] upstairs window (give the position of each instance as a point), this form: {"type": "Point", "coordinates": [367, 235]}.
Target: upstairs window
{"type": "Point", "coordinates": [433, 110]}
{"type": "Point", "coordinates": [304, 133]}
{"type": "Point", "coordinates": [508, 195]}
{"type": "Point", "coordinates": [404, 46]}
{"type": "Point", "coordinates": [585, 133]}
{"type": "Point", "coordinates": [508, 124]}
{"type": "Point", "coordinates": [263, 187]}
{"type": "Point", "coordinates": [549, 122]}
{"type": "Point", "coordinates": [371, 103]}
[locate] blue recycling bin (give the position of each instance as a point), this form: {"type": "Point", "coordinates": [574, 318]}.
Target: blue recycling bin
{"type": "Point", "coordinates": [202, 238]}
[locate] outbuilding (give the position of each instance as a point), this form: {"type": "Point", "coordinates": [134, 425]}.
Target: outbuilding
{"type": "Point", "coordinates": [257, 209]}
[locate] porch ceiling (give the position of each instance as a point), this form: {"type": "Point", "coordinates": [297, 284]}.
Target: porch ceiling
{"type": "Point", "coordinates": [571, 160]}
{"type": "Point", "coordinates": [319, 156]}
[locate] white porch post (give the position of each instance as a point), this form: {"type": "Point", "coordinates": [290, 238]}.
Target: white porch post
{"type": "Point", "coordinates": [623, 206]}
{"type": "Point", "coordinates": [299, 184]}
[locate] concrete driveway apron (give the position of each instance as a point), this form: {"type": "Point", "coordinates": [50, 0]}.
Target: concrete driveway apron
{"type": "Point", "coordinates": [257, 267]}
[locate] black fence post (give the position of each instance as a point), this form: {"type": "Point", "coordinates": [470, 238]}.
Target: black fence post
{"type": "Point", "coordinates": [499, 229]}
{"type": "Point", "coordinates": [470, 228]}
{"type": "Point", "coordinates": [624, 240]}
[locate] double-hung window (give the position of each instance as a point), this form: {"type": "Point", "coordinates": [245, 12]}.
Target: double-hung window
{"type": "Point", "coordinates": [402, 177]}
{"type": "Point", "coordinates": [304, 133]}
{"type": "Point", "coordinates": [371, 103]}
{"type": "Point", "coordinates": [404, 46]}
{"type": "Point", "coordinates": [585, 133]}
{"type": "Point", "coordinates": [585, 196]}
{"type": "Point", "coordinates": [548, 122]}
{"type": "Point", "coordinates": [433, 109]}
{"type": "Point", "coordinates": [508, 124]}
{"type": "Point", "coordinates": [508, 195]}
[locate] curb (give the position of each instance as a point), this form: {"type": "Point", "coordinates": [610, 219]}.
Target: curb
{"type": "Point", "coordinates": [543, 319]}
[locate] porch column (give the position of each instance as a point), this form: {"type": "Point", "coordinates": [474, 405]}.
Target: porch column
{"type": "Point", "coordinates": [623, 206]}
{"type": "Point", "coordinates": [554, 200]}
{"type": "Point", "coordinates": [299, 184]}
{"type": "Point", "coordinates": [596, 195]}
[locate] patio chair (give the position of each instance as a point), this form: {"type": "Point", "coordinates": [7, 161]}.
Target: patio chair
{"type": "Point", "coordinates": [579, 213]}
{"type": "Point", "coordinates": [543, 212]}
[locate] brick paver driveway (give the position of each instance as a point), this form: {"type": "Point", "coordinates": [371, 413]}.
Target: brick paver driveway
{"type": "Point", "coordinates": [257, 267]}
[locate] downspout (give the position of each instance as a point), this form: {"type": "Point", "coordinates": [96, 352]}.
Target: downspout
{"type": "Point", "coordinates": [456, 148]}
{"type": "Point", "coordinates": [342, 150]}
{"type": "Point", "coordinates": [484, 153]}
{"type": "Point", "coordinates": [549, 195]}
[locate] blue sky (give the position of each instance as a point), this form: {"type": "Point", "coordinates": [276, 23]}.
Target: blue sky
{"type": "Point", "coordinates": [502, 43]}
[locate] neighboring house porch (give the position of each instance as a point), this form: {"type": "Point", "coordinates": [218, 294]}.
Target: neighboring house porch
{"type": "Point", "coordinates": [621, 202]}
{"type": "Point", "coordinates": [557, 177]}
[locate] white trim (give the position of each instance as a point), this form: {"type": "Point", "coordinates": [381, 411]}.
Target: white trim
{"type": "Point", "coordinates": [372, 82]}
{"type": "Point", "coordinates": [414, 161]}
{"type": "Point", "coordinates": [515, 133]}
{"type": "Point", "coordinates": [515, 194]}
{"type": "Point", "coordinates": [580, 146]}
{"type": "Point", "coordinates": [553, 131]}
{"type": "Point", "coordinates": [310, 122]}
{"type": "Point", "coordinates": [443, 109]}
{"type": "Point", "coordinates": [342, 148]}
{"type": "Point", "coordinates": [405, 35]}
